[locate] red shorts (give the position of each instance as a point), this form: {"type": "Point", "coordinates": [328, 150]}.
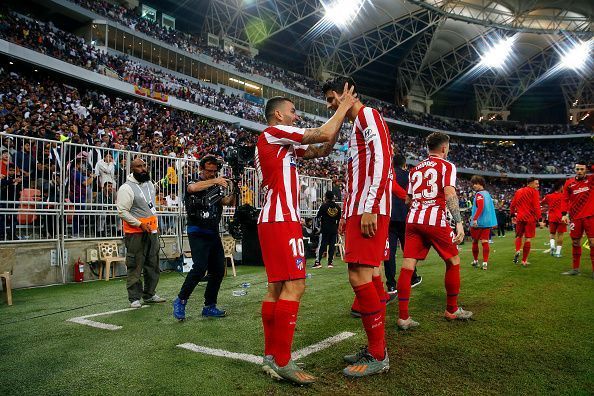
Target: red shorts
{"type": "Point", "coordinates": [557, 227]}
{"type": "Point", "coordinates": [420, 237]}
{"type": "Point", "coordinates": [480, 234]}
{"type": "Point", "coordinates": [368, 251]}
{"type": "Point", "coordinates": [283, 250]}
{"type": "Point", "coordinates": [525, 229]}
{"type": "Point", "coordinates": [577, 227]}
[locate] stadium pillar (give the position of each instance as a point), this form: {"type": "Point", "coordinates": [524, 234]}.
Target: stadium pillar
{"type": "Point", "coordinates": [419, 103]}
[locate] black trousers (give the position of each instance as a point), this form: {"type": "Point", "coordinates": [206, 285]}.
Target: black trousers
{"type": "Point", "coordinates": [501, 228]}
{"type": "Point", "coordinates": [207, 254]}
{"type": "Point", "coordinates": [396, 234]}
{"type": "Point", "coordinates": [327, 240]}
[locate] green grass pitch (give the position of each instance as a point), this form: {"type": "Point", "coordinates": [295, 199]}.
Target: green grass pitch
{"type": "Point", "coordinates": [533, 334]}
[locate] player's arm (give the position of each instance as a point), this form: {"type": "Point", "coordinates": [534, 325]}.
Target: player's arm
{"type": "Point", "coordinates": [480, 205]}
{"type": "Point", "coordinates": [537, 206]}
{"type": "Point", "coordinates": [329, 130]}
{"type": "Point", "coordinates": [398, 191]}
{"type": "Point", "coordinates": [453, 206]}
{"type": "Point", "coordinates": [565, 200]}
{"type": "Point", "coordinates": [204, 184]}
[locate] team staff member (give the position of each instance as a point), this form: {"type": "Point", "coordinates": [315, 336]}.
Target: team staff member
{"type": "Point", "coordinates": [137, 208]}
{"type": "Point", "coordinates": [398, 223]}
{"type": "Point", "coordinates": [205, 240]}
{"type": "Point", "coordinates": [580, 215]}
{"type": "Point", "coordinates": [329, 213]}
{"type": "Point", "coordinates": [525, 207]}
{"type": "Point", "coordinates": [279, 226]}
{"type": "Point", "coordinates": [483, 219]}
{"type": "Point", "coordinates": [365, 222]}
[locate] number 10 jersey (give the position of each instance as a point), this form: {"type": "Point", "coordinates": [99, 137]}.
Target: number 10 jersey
{"type": "Point", "coordinates": [426, 186]}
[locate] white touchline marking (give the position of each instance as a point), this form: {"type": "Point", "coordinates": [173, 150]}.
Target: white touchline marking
{"type": "Point", "coordinates": [328, 342]}
{"type": "Point", "coordinates": [84, 321]}
{"type": "Point", "coordinates": [258, 359]}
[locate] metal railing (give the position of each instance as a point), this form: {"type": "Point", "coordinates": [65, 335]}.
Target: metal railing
{"type": "Point", "coordinates": [61, 192]}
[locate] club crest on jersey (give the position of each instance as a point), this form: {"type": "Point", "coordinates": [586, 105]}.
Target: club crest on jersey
{"type": "Point", "coordinates": [369, 133]}
{"type": "Point", "coordinates": [292, 161]}
{"type": "Point", "coordinates": [299, 263]}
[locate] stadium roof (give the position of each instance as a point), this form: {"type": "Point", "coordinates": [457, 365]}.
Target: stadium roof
{"type": "Point", "coordinates": [395, 47]}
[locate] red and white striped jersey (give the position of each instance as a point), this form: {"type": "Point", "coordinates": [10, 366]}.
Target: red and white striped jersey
{"type": "Point", "coordinates": [369, 166]}
{"type": "Point", "coordinates": [426, 185]}
{"type": "Point", "coordinates": [276, 165]}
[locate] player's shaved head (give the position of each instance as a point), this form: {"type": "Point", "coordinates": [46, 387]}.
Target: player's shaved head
{"type": "Point", "coordinates": [273, 105]}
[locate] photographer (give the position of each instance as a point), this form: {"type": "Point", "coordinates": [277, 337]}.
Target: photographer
{"type": "Point", "coordinates": [204, 202]}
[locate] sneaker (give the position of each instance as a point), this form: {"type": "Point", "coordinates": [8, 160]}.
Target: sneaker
{"type": "Point", "coordinates": [355, 314]}
{"type": "Point", "coordinates": [367, 365]}
{"type": "Point", "coordinates": [330, 265]}
{"type": "Point", "coordinates": [552, 252]}
{"type": "Point", "coordinates": [557, 255]}
{"type": "Point", "coordinates": [517, 257]}
{"type": "Point", "coordinates": [179, 309]}
{"type": "Point", "coordinates": [292, 372]}
{"type": "Point", "coordinates": [154, 299]}
{"type": "Point", "coordinates": [269, 367]}
{"type": "Point", "coordinates": [392, 290]}
{"type": "Point", "coordinates": [135, 304]}
{"type": "Point", "coordinates": [475, 263]}
{"type": "Point", "coordinates": [407, 324]}
{"type": "Point", "coordinates": [416, 281]}
{"type": "Point", "coordinates": [574, 271]}
{"type": "Point", "coordinates": [316, 265]}
{"type": "Point", "coordinates": [211, 311]}
{"type": "Point", "coordinates": [390, 297]}
{"type": "Point", "coordinates": [484, 266]}
{"type": "Point", "coordinates": [460, 314]}
{"type": "Point", "coordinates": [354, 358]}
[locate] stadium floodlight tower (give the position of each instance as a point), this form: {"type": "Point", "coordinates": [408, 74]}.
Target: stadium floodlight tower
{"type": "Point", "coordinates": [497, 54]}
{"type": "Point", "coordinates": [577, 56]}
{"type": "Point", "coordinates": [342, 12]}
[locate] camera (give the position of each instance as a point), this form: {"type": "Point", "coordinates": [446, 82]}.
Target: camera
{"type": "Point", "coordinates": [238, 157]}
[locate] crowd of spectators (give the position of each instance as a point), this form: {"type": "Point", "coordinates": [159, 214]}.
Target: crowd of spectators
{"type": "Point", "coordinates": [46, 38]}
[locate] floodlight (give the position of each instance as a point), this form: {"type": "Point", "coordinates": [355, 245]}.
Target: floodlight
{"type": "Point", "coordinates": [576, 57]}
{"type": "Point", "coordinates": [342, 12]}
{"type": "Point", "coordinates": [497, 54]}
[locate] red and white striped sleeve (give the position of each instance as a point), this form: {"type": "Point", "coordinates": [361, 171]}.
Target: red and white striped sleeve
{"type": "Point", "coordinates": [377, 139]}
{"type": "Point", "coordinates": [449, 174]}
{"type": "Point", "coordinates": [300, 150]}
{"type": "Point", "coordinates": [284, 135]}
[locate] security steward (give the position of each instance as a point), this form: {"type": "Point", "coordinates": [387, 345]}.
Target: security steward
{"type": "Point", "coordinates": [329, 213]}
{"type": "Point", "coordinates": [204, 201]}
{"type": "Point", "coordinates": [137, 208]}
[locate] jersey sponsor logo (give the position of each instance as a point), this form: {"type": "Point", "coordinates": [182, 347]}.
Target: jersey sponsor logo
{"type": "Point", "coordinates": [581, 190]}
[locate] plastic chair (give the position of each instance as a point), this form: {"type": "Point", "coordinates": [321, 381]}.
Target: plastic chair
{"type": "Point", "coordinates": [229, 248]}
{"type": "Point", "coordinates": [108, 253]}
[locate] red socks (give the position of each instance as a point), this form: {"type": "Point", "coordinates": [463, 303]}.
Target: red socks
{"type": "Point", "coordinates": [372, 317]}
{"type": "Point", "coordinates": [526, 251]}
{"type": "Point", "coordinates": [356, 306]}
{"type": "Point", "coordinates": [381, 293]}
{"type": "Point", "coordinates": [404, 292]}
{"type": "Point", "coordinates": [452, 286]}
{"type": "Point", "coordinates": [576, 252]}
{"type": "Point", "coordinates": [268, 309]}
{"type": "Point", "coordinates": [475, 250]}
{"type": "Point", "coordinates": [518, 243]}
{"type": "Point", "coordinates": [486, 250]}
{"type": "Point", "coordinates": [285, 319]}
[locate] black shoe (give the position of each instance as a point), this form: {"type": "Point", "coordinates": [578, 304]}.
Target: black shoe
{"type": "Point", "coordinates": [317, 265]}
{"type": "Point", "coordinates": [391, 297]}
{"type": "Point", "coordinates": [416, 281]}
{"type": "Point", "coordinates": [392, 290]}
{"type": "Point", "coordinates": [355, 314]}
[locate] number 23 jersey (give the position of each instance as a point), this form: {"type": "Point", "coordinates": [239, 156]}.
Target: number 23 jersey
{"type": "Point", "coordinates": [426, 186]}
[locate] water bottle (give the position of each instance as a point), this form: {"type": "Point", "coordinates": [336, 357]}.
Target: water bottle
{"type": "Point", "coordinates": [239, 293]}
{"type": "Point", "coordinates": [245, 285]}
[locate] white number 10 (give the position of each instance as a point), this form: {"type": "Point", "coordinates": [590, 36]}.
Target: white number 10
{"type": "Point", "coordinates": [297, 247]}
